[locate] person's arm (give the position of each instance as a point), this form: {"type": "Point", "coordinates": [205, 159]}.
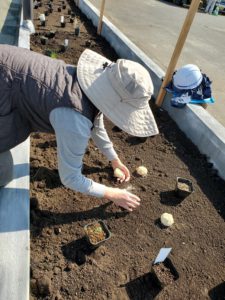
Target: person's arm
{"type": "Point", "coordinates": [72, 134]}
{"type": "Point", "coordinates": [102, 141]}
{"type": "Point", "coordinates": [101, 138]}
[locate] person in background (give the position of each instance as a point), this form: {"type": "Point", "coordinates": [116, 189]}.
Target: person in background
{"type": "Point", "coordinates": [210, 6]}
{"type": "Point", "coordinates": [41, 94]}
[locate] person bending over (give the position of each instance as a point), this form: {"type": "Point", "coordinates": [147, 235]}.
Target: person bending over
{"type": "Point", "coordinates": [41, 94]}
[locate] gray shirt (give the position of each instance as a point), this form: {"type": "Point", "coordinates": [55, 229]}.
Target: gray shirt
{"type": "Point", "coordinates": [73, 131]}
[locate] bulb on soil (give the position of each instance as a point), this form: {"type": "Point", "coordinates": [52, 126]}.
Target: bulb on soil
{"type": "Point", "coordinates": [142, 171]}
{"type": "Point", "coordinates": [167, 219]}
{"type": "Point", "coordinates": [118, 173]}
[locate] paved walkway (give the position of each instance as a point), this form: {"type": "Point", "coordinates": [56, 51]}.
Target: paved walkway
{"type": "Point", "coordinates": [14, 229]}
{"type": "Point", "coordinates": [154, 27]}
{"type": "Point", "coordinates": [14, 198]}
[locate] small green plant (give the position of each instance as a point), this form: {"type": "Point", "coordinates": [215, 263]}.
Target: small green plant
{"type": "Point", "coordinates": [51, 53]}
{"type": "Point", "coordinates": [98, 229]}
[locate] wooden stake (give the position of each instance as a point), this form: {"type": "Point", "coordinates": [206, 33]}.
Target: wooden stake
{"type": "Point", "coordinates": [101, 17]}
{"type": "Point", "coordinates": [178, 48]}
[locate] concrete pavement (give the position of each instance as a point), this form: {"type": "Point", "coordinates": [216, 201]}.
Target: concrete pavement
{"type": "Point", "coordinates": [14, 197]}
{"type": "Point", "coordinates": [154, 27]}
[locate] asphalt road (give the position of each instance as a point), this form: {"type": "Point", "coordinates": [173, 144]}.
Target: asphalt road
{"type": "Point", "coordinates": [154, 26]}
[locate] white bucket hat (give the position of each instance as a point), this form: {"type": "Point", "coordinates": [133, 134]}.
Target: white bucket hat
{"type": "Point", "coordinates": [120, 90]}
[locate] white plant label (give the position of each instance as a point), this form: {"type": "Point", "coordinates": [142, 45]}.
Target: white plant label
{"type": "Point", "coordinates": [163, 253]}
{"type": "Point", "coordinates": [42, 17]}
{"type": "Point", "coordinates": [66, 43]}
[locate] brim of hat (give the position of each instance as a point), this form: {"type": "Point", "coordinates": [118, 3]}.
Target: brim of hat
{"type": "Point", "coordinates": [95, 83]}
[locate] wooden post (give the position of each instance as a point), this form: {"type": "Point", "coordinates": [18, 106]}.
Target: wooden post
{"type": "Point", "coordinates": [178, 48]}
{"type": "Point", "coordinates": [101, 17]}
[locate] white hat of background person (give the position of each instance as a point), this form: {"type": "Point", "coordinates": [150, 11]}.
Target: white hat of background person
{"type": "Point", "coordinates": [187, 77]}
{"type": "Point", "coordinates": [120, 90]}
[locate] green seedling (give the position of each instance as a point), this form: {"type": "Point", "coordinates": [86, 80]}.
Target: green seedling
{"type": "Point", "coordinates": [98, 229]}
{"type": "Point", "coordinates": [51, 53]}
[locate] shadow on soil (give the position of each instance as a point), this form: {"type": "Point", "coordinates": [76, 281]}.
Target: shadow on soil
{"type": "Point", "coordinates": [218, 292]}
{"type": "Point", "coordinates": [133, 140]}
{"type": "Point", "coordinates": [49, 178]}
{"type": "Point", "coordinates": [169, 198]}
{"type": "Point", "coordinates": [199, 166]}
{"type": "Point", "coordinates": [44, 218]}
{"type": "Point", "coordinates": [159, 224]}
{"type": "Point", "coordinates": [88, 170]}
{"type": "Point", "coordinates": [77, 251]}
{"type": "Point", "coordinates": [143, 287]}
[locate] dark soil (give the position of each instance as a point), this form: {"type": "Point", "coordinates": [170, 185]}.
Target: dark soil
{"type": "Point", "coordinates": [62, 264]}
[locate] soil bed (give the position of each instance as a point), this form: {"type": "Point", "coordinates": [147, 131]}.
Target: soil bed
{"type": "Point", "coordinates": [62, 264]}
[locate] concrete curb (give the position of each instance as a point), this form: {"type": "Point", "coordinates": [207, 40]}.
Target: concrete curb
{"type": "Point", "coordinates": [15, 217]}
{"type": "Point", "coordinates": [203, 130]}
{"type": "Point", "coordinates": [24, 38]}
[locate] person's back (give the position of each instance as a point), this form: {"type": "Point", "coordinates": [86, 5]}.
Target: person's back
{"type": "Point", "coordinates": [32, 85]}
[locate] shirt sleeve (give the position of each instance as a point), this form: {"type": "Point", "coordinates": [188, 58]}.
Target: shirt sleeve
{"type": "Point", "coordinates": [101, 138]}
{"type": "Point", "coordinates": [72, 132]}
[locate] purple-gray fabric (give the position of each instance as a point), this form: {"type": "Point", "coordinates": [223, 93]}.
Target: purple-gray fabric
{"type": "Point", "coordinates": [31, 86]}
